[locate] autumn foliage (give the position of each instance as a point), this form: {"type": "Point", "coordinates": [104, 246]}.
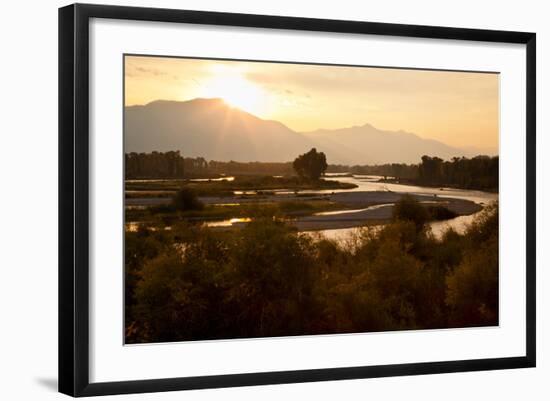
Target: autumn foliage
{"type": "Point", "coordinates": [194, 283]}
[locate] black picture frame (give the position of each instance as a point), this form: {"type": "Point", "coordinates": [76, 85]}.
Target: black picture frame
{"type": "Point", "coordinates": [74, 200]}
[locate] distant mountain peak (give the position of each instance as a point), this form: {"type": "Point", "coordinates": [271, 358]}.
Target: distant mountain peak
{"type": "Point", "coordinates": [199, 101]}
{"type": "Point", "coordinates": [366, 126]}
{"type": "Point", "coordinates": [211, 128]}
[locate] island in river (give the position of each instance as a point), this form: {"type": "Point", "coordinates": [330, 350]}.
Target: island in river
{"type": "Point", "coordinates": [341, 203]}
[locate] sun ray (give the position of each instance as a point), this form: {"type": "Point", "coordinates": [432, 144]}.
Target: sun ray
{"type": "Point", "coordinates": [236, 91]}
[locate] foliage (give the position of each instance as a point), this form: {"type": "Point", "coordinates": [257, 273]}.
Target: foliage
{"type": "Point", "coordinates": [266, 279]}
{"type": "Point", "coordinates": [172, 164]}
{"type": "Point", "coordinates": [397, 170]}
{"type": "Point", "coordinates": [310, 165]}
{"type": "Point", "coordinates": [256, 183]}
{"type": "Point", "coordinates": [246, 168]}
{"type": "Point", "coordinates": [480, 172]}
{"type": "Point", "coordinates": [185, 199]}
{"type": "Point", "coordinates": [409, 209]}
{"type": "Point", "coordinates": [162, 165]}
{"type": "Point", "coordinates": [473, 286]}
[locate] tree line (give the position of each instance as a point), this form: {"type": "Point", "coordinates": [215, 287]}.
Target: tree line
{"type": "Point", "coordinates": [173, 165]}
{"type": "Point", "coordinates": [397, 170]}
{"type": "Point", "coordinates": [480, 172]}
{"type": "Point", "coordinates": [163, 165]}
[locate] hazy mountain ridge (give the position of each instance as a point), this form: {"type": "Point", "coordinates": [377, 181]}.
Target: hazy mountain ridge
{"type": "Point", "coordinates": [212, 129]}
{"type": "Point", "coordinates": [381, 146]}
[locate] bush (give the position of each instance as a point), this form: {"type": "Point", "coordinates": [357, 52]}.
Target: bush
{"type": "Point", "coordinates": [185, 199]}
{"type": "Point", "coordinates": [179, 296]}
{"type": "Point", "coordinates": [272, 278]}
{"type": "Point", "coordinates": [472, 288]}
{"type": "Point", "coordinates": [409, 209]}
{"type": "Point", "coordinates": [194, 283]}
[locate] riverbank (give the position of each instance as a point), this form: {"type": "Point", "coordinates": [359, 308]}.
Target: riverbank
{"type": "Point", "coordinates": [228, 186]}
{"type": "Point", "coordinates": [320, 211]}
{"type": "Point", "coordinates": [367, 202]}
{"type": "Point", "coordinates": [415, 182]}
{"type": "Point", "coordinates": [367, 208]}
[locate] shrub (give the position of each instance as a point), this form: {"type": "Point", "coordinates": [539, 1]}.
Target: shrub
{"type": "Point", "coordinates": [409, 209]}
{"type": "Point", "coordinates": [194, 283]}
{"type": "Point", "coordinates": [185, 199]}
{"type": "Point", "coordinates": [272, 270]}
{"type": "Point", "coordinates": [472, 288]}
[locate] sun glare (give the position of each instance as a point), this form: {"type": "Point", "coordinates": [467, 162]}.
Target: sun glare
{"type": "Point", "coordinates": [237, 92]}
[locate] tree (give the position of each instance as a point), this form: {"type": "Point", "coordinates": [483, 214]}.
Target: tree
{"type": "Point", "coordinates": [430, 170]}
{"type": "Point", "coordinates": [310, 165]}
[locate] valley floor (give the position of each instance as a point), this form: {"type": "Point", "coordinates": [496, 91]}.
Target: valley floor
{"type": "Point", "coordinates": [359, 208]}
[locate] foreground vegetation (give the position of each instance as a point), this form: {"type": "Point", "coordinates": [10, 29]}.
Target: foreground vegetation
{"type": "Point", "coordinates": [193, 283]}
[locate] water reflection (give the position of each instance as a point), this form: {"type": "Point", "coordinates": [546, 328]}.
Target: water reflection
{"type": "Point", "coordinates": [372, 183]}
{"type": "Point", "coordinates": [347, 236]}
{"type": "Point", "coordinates": [365, 183]}
{"type": "Point", "coordinates": [133, 226]}
{"type": "Point", "coordinates": [212, 179]}
{"type": "Point", "coordinates": [229, 223]}
{"type": "Point", "coordinates": [225, 178]}
{"type": "Point", "coordinates": [351, 211]}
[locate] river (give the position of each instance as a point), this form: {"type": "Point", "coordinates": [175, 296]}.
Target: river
{"type": "Point", "coordinates": [371, 183]}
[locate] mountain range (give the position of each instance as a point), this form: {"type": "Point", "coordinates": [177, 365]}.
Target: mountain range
{"type": "Point", "coordinates": [216, 131]}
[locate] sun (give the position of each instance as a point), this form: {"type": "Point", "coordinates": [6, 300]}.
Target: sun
{"type": "Point", "coordinates": [237, 92]}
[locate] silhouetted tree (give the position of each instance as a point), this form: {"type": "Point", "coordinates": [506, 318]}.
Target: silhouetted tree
{"type": "Point", "coordinates": [310, 165]}
{"type": "Point", "coordinates": [431, 169]}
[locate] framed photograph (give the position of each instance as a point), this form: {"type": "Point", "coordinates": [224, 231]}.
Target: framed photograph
{"type": "Point", "coordinates": [250, 199]}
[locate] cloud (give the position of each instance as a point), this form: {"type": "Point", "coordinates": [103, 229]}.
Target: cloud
{"type": "Point", "coordinates": [372, 81]}
{"type": "Point", "coordinates": [133, 71]}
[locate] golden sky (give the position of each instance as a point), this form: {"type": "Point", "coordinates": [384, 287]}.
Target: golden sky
{"type": "Point", "coordinates": [457, 108]}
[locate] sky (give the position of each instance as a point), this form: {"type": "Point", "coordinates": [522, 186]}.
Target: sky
{"type": "Point", "coordinates": [458, 108]}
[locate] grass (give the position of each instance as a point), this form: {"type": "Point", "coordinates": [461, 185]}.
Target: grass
{"type": "Point", "coordinates": [286, 209]}
{"type": "Point", "coordinates": [226, 188]}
